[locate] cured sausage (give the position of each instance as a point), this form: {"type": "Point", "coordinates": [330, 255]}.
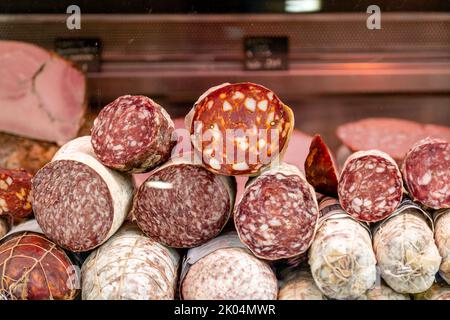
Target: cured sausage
{"type": "Point", "coordinates": [438, 291]}
{"type": "Point", "coordinates": [442, 238]}
{"type": "Point", "coordinates": [277, 216]}
{"type": "Point", "coordinates": [299, 285]}
{"type": "Point", "coordinates": [222, 269]}
{"type": "Point", "coordinates": [133, 134]}
{"type": "Point", "coordinates": [320, 169]}
{"type": "Point", "coordinates": [370, 186]}
{"type": "Point", "coordinates": [15, 193]}
{"type": "Point", "coordinates": [35, 268]}
{"type": "Point", "coordinates": [130, 266]}
{"type": "Point", "coordinates": [78, 202]}
{"type": "Point", "coordinates": [182, 204]}
{"type": "Point", "coordinates": [341, 258]}
{"type": "Point", "coordinates": [404, 246]}
{"type": "Point", "coordinates": [382, 292]}
{"type": "Point", "coordinates": [426, 172]}
{"type": "Point", "coordinates": [240, 128]}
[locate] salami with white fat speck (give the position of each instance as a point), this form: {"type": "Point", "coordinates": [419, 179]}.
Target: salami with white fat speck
{"type": "Point", "coordinates": [442, 238]}
{"type": "Point", "coordinates": [15, 193]}
{"type": "Point", "coordinates": [133, 134]}
{"type": "Point", "coordinates": [370, 186]}
{"type": "Point", "coordinates": [426, 170]}
{"type": "Point", "coordinates": [277, 215]}
{"type": "Point", "coordinates": [78, 202]}
{"type": "Point", "coordinates": [183, 205]}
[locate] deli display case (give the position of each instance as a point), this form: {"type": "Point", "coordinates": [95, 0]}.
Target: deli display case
{"type": "Point", "coordinates": [162, 149]}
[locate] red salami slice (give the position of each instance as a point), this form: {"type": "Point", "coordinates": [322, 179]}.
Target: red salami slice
{"type": "Point", "coordinates": [239, 128]}
{"type": "Point", "coordinates": [321, 171]}
{"type": "Point", "coordinates": [183, 205]}
{"type": "Point", "coordinates": [15, 188]}
{"type": "Point", "coordinates": [426, 170]}
{"type": "Point", "coordinates": [277, 215]}
{"type": "Point", "coordinates": [78, 202]}
{"type": "Point", "coordinates": [133, 134]}
{"type": "Point", "coordinates": [370, 186]}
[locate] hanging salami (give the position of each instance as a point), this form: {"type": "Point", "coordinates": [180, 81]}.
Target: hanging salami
{"type": "Point", "coordinates": [405, 250]}
{"type": "Point", "coordinates": [370, 186]}
{"type": "Point", "coordinates": [299, 285]}
{"type": "Point", "coordinates": [15, 197]}
{"type": "Point", "coordinates": [276, 217]}
{"type": "Point", "coordinates": [341, 258]}
{"type": "Point", "coordinates": [442, 238]}
{"type": "Point", "coordinates": [438, 291]}
{"type": "Point", "coordinates": [426, 172]}
{"type": "Point", "coordinates": [133, 134]}
{"type": "Point", "coordinates": [382, 292]}
{"type": "Point", "coordinates": [222, 269]}
{"type": "Point", "coordinates": [239, 128]}
{"type": "Point", "coordinates": [320, 168]}
{"type": "Point", "coordinates": [78, 202]}
{"type": "Point", "coordinates": [130, 266]}
{"type": "Point", "coordinates": [183, 205]}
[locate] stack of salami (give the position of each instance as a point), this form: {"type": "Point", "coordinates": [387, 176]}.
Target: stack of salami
{"type": "Point", "coordinates": [376, 228]}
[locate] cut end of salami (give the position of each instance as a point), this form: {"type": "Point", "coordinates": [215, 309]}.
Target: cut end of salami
{"type": "Point", "coordinates": [239, 128]}
{"type": "Point", "coordinates": [277, 215]}
{"type": "Point", "coordinates": [426, 170]}
{"type": "Point", "coordinates": [133, 134]}
{"type": "Point", "coordinates": [370, 186]}
{"type": "Point", "coordinates": [15, 193]}
{"type": "Point", "coordinates": [320, 169]}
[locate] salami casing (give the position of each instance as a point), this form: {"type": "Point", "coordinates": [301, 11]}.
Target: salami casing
{"type": "Point", "coordinates": [277, 215]}
{"type": "Point", "coordinates": [427, 174]}
{"type": "Point", "coordinates": [133, 134]}
{"type": "Point", "coordinates": [183, 205]}
{"type": "Point", "coordinates": [78, 202]}
{"type": "Point", "coordinates": [15, 193]}
{"type": "Point", "coordinates": [239, 128]}
{"type": "Point", "coordinates": [438, 291]}
{"type": "Point", "coordinates": [130, 266]}
{"type": "Point", "coordinates": [341, 258]}
{"type": "Point", "coordinates": [407, 256]}
{"type": "Point", "coordinates": [299, 285]}
{"type": "Point", "coordinates": [382, 292]}
{"type": "Point", "coordinates": [35, 268]}
{"type": "Point", "coordinates": [370, 186]}
{"type": "Point", "coordinates": [442, 238]}
{"type": "Point", "coordinates": [320, 169]}
{"type": "Point", "coordinates": [222, 269]}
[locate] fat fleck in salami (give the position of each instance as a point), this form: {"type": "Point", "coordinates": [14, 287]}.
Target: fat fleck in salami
{"type": "Point", "coordinates": [130, 266]}
{"type": "Point", "coordinates": [438, 291]}
{"type": "Point", "coordinates": [133, 134]}
{"type": "Point", "coordinates": [442, 238]}
{"type": "Point", "coordinates": [405, 250]}
{"type": "Point", "coordinates": [183, 205]}
{"type": "Point", "coordinates": [35, 268]}
{"type": "Point", "coordinates": [382, 292]}
{"type": "Point", "coordinates": [321, 171]}
{"type": "Point", "coordinates": [239, 128]}
{"type": "Point", "coordinates": [277, 215]}
{"type": "Point", "coordinates": [222, 269]}
{"type": "Point", "coordinates": [370, 186]}
{"type": "Point", "coordinates": [341, 258]}
{"type": "Point", "coordinates": [15, 188]}
{"type": "Point", "coordinates": [427, 174]}
{"type": "Point", "coordinates": [78, 202]}
{"type": "Point", "coordinates": [299, 285]}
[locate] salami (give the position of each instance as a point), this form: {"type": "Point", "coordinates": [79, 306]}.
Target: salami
{"type": "Point", "coordinates": [222, 269]}
{"type": "Point", "coordinates": [78, 202]}
{"type": "Point", "coordinates": [15, 193]}
{"type": "Point", "coordinates": [442, 238]}
{"type": "Point", "coordinates": [130, 266]}
{"type": "Point", "coordinates": [277, 215]}
{"type": "Point", "coordinates": [299, 285]}
{"type": "Point", "coordinates": [407, 256]}
{"type": "Point", "coordinates": [35, 268]}
{"type": "Point", "coordinates": [426, 172]}
{"type": "Point", "coordinates": [341, 258]}
{"type": "Point", "coordinates": [382, 292]}
{"type": "Point", "coordinates": [320, 169]}
{"type": "Point", "coordinates": [239, 128]}
{"type": "Point", "coordinates": [438, 291]}
{"type": "Point", "coordinates": [370, 186]}
{"type": "Point", "coordinates": [182, 204]}
{"type": "Point", "coordinates": [133, 134]}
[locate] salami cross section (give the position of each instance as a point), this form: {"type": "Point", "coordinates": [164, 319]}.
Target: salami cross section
{"type": "Point", "coordinates": [78, 202]}
{"type": "Point", "coordinates": [239, 128]}
{"type": "Point", "coordinates": [15, 193]}
{"type": "Point", "coordinates": [370, 186]}
{"type": "Point", "coordinates": [183, 205]}
{"type": "Point", "coordinates": [426, 170]}
{"type": "Point", "coordinates": [133, 134]}
{"type": "Point", "coordinates": [277, 215]}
